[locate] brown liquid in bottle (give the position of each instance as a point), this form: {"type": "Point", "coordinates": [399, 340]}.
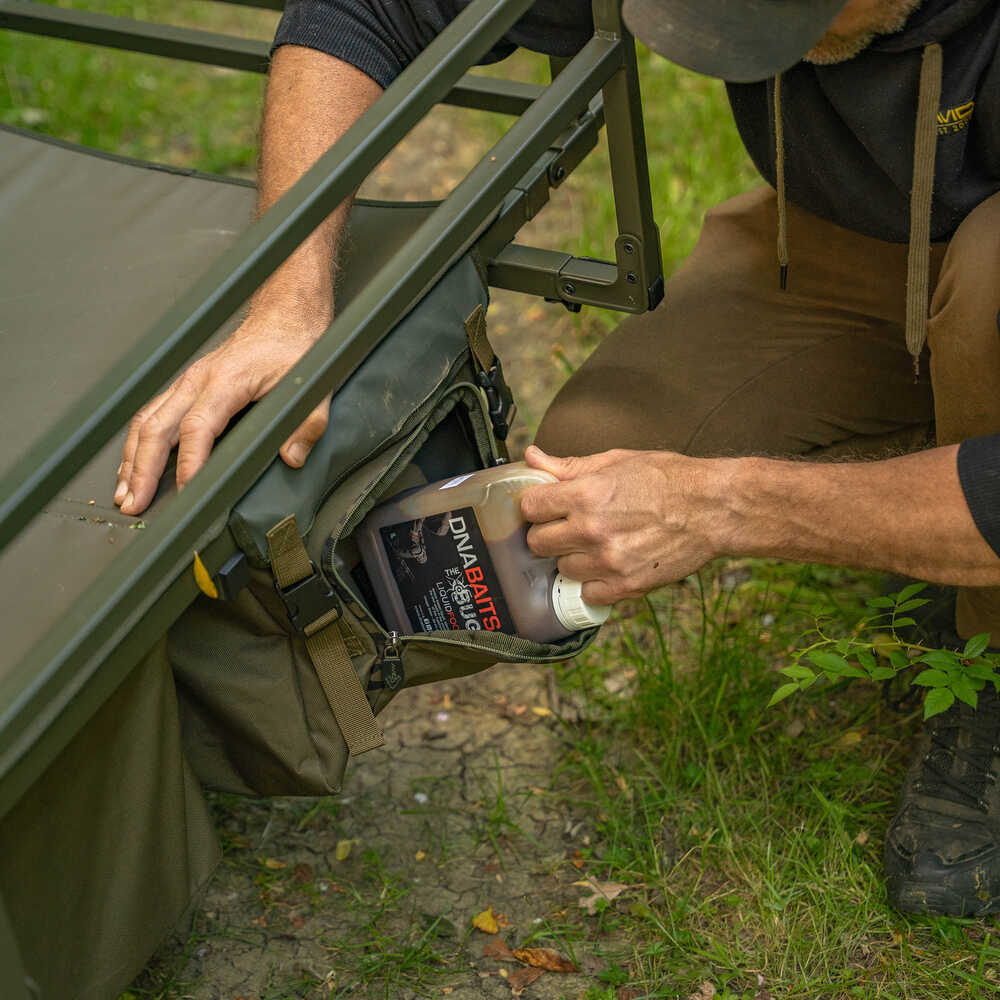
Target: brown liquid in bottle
{"type": "Point", "coordinates": [453, 555]}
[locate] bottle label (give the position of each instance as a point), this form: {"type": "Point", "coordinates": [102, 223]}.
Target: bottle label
{"type": "Point", "coordinates": [445, 575]}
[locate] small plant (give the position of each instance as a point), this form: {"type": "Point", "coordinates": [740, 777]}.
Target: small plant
{"type": "Point", "coordinates": [877, 651]}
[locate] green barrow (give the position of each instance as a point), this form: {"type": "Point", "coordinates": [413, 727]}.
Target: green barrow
{"type": "Point", "coordinates": [104, 832]}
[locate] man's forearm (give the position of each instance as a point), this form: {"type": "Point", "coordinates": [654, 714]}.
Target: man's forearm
{"type": "Point", "coordinates": [312, 99]}
{"type": "Point", "coordinates": [906, 515]}
{"type": "Point", "coordinates": [626, 522]}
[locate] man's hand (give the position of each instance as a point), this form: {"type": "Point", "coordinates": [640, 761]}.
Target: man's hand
{"type": "Point", "coordinates": [624, 522]}
{"type": "Point", "coordinates": [196, 408]}
{"type": "Point", "coordinates": [312, 99]}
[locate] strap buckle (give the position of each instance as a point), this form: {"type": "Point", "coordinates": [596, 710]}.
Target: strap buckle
{"type": "Point", "coordinates": [311, 603]}
{"type": "Point", "coordinates": [499, 398]}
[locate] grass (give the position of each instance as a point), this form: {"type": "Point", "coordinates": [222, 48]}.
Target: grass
{"type": "Point", "coordinates": [751, 836]}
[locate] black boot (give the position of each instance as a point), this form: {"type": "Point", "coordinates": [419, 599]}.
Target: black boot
{"type": "Point", "coordinates": [942, 851]}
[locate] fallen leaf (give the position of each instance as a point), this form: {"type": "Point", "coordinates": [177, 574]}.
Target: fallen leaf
{"type": "Point", "coordinates": [541, 710]}
{"type": "Point", "coordinates": [519, 979]}
{"type": "Point", "coordinates": [485, 921]}
{"type": "Point", "coordinates": [273, 863]}
{"type": "Point", "coordinates": [260, 921]}
{"type": "Point", "coordinates": [447, 989]}
{"type": "Point", "coordinates": [861, 838]}
{"type": "Point", "coordinates": [446, 702]}
{"type": "Point", "coordinates": [576, 859]}
{"type": "Point", "coordinates": [628, 993]}
{"type": "Point", "coordinates": [497, 948]}
{"type": "Point", "coordinates": [343, 849]}
{"type": "Point", "coordinates": [704, 992]}
{"type": "Point", "coordinates": [298, 921]}
{"type": "Point", "coordinates": [420, 855]}
{"type": "Point", "coordinates": [599, 891]}
{"type": "Point", "coordinates": [501, 920]}
{"type": "Point", "coordinates": [545, 958]}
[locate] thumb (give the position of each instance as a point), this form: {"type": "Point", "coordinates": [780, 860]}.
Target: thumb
{"type": "Point", "coordinates": [561, 468]}
{"type": "Point", "coordinates": [568, 468]}
{"type": "Point", "coordinates": [296, 449]}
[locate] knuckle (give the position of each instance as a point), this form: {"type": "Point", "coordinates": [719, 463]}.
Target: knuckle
{"type": "Point", "coordinates": [193, 422]}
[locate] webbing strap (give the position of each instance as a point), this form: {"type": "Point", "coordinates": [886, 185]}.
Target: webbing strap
{"type": "Point", "coordinates": [479, 342]}
{"type": "Point", "coordinates": [290, 564]}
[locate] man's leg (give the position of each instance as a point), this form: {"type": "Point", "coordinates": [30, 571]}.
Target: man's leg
{"type": "Point", "coordinates": [943, 847]}
{"type": "Point", "coordinates": [731, 364]}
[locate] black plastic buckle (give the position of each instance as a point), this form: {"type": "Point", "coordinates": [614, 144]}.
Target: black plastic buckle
{"type": "Point", "coordinates": [309, 600]}
{"type": "Point", "coordinates": [499, 399]}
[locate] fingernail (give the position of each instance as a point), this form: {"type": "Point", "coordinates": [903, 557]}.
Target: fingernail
{"type": "Point", "coordinates": [297, 453]}
{"type": "Point", "coordinates": [121, 465]}
{"type": "Point", "coordinates": [120, 491]}
{"type": "Point", "coordinates": [128, 501]}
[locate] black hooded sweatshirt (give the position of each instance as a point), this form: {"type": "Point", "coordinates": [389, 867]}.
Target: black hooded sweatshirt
{"type": "Point", "coordinates": [849, 128]}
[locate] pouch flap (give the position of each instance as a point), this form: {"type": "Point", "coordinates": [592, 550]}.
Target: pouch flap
{"type": "Point", "coordinates": [417, 357]}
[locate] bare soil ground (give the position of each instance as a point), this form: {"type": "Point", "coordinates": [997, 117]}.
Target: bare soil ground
{"type": "Point", "coordinates": [373, 893]}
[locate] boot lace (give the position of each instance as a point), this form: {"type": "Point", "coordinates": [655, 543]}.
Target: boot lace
{"type": "Point", "coordinates": [940, 775]}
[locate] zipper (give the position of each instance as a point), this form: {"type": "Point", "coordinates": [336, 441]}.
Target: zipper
{"type": "Point", "coordinates": [390, 662]}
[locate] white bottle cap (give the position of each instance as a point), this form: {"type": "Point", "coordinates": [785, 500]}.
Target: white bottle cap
{"type": "Point", "coordinates": [573, 612]}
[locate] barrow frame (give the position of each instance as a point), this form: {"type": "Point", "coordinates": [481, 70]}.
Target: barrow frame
{"type": "Point", "coordinates": [48, 696]}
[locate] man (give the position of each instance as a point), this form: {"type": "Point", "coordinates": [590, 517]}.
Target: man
{"type": "Point", "coordinates": [797, 327]}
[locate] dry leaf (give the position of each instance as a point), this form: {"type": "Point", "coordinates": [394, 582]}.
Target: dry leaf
{"type": "Point", "coordinates": [446, 702]}
{"type": "Point", "coordinates": [343, 849]}
{"type": "Point", "coordinates": [704, 992]}
{"type": "Point", "coordinates": [420, 855]}
{"type": "Point", "coordinates": [541, 710]}
{"type": "Point", "coordinates": [577, 860]}
{"type": "Point", "coordinates": [861, 838]}
{"type": "Point", "coordinates": [485, 921]}
{"type": "Point", "coordinates": [497, 948]}
{"type": "Point", "coordinates": [519, 979]}
{"type": "Point", "coordinates": [628, 993]}
{"type": "Point", "coordinates": [273, 863]}
{"type": "Point", "coordinates": [545, 958]}
{"type": "Point", "coordinates": [599, 891]}
{"type": "Point", "coordinates": [298, 921]}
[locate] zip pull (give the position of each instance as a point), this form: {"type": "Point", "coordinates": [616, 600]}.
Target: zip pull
{"type": "Point", "coordinates": [390, 664]}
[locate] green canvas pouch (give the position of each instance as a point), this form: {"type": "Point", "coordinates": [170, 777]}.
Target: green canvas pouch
{"type": "Point", "coordinates": [280, 686]}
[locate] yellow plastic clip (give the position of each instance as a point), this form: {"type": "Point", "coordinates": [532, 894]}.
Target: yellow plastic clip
{"type": "Point", "coordinates": [205, 582]}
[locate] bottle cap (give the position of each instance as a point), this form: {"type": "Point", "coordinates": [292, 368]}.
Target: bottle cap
{"type": "Point", "coordinates": [573, 612]}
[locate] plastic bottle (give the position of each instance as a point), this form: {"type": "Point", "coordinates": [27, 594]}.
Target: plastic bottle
{"type": "Point", "coordinates": [454, 555]}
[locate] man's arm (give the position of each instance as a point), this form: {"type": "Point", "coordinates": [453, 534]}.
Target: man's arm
{"type": "Point", "coordinates": [626, 522]}
{"type": "Point", "coordinates": [312, 99]}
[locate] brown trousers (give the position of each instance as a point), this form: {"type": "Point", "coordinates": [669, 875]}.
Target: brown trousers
{"type": "Point", "coordinates": [731, 365]}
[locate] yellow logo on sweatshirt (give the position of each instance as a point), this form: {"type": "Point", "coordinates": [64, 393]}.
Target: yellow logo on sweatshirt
{"type": "Point", "coordinates": [955, 119]}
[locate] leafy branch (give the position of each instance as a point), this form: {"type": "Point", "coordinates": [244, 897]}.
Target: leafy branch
{"type": "Point", "coordinates": [875, 651]}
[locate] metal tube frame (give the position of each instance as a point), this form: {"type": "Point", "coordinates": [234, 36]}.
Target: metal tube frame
{"type": "Point", "coordinates": [72, 669]}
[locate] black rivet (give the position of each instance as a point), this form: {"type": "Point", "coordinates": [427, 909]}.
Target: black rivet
{"type": "Point", "coordinates": [631, 277]}
{"type": "Point", "coordinates": [569, 288]}
{"type": "Point", "coordinates": [629, 248]}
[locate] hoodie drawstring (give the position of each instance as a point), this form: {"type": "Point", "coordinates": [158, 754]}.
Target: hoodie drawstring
{"type": "Point", "coordinates": [924, 149]}
{"type": "Point", "coordinates": [921, 193]}
{"type": "Point", "coordinates": [779, 169]}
